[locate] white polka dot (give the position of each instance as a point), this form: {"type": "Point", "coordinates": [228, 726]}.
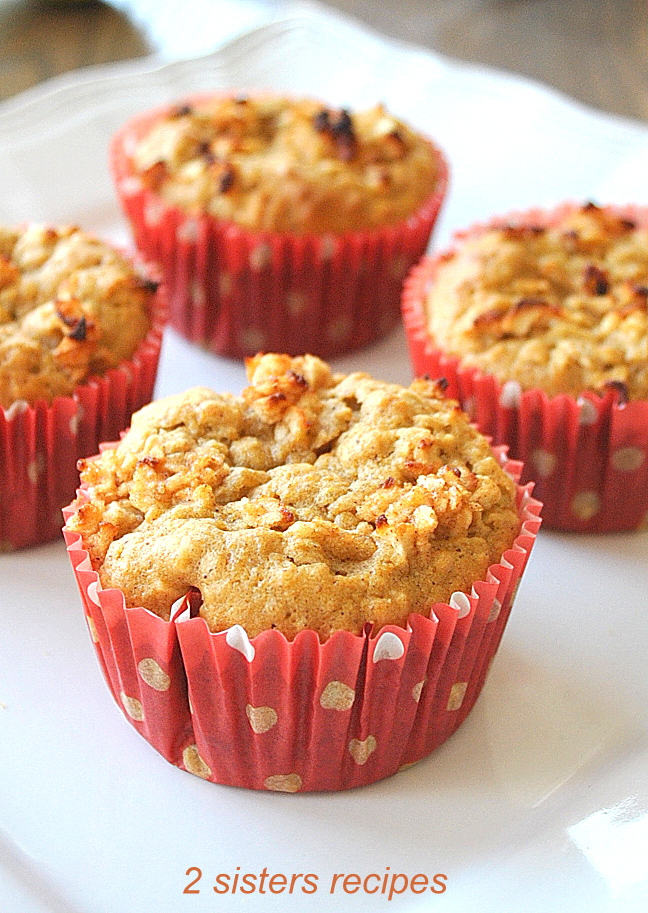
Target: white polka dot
{"type": "Point", "coordinates": [510, 395]}
{"type": "Point", "coordinates": [296, 303]}
{"type": "Point", "coordinates": [261, 719]}
{"type": "Point", "coordinates": [328, 247]}
{"type": "Point", "coordinates": [469, 406]}
{"type": "Point", "coordinates": [76, 419]}
{"type": "Point", "coordinates": [338, 330]}
{"type": "Point", "coordinates": [457, 694]}
{"type": "Point", "coordinates": [627, 459]}
{"type": "Point", "coordinates": [587, 411]}
{"type": "Point", "coordinates": [194, 763]}
{"type": "Point", "coordinates": [154, 212]}
{"type": "Point", "coordinates": [283, 783]}
{"type": "Point", "coordinates": [36, 468]}
{"type": "Point", "coordinates": [337, 696]}
{"type": "Point", "coordinates": [362, 751]}
{"type": "Point", "coordinates": [544, 462]}
{"type": "Point", "coordinates": [462, 603]}
{"type": "Point", "coordinates": [93, 630]}
{"type": "Point", "coordinates": [260, 256]}
{"type": "Point", "coordinates": [586, 505]}
{"type": "Point", "coordinates": [252, 339]}
{"type": "Point", "coordinates": [496, 608]}
{"type": "Point", "coordinates": [198, 295]}
{"type": "Point", "coordinates": [153, 674]}
{"type": "Point", "coordinates": [389, 646]}
{"type": "Point", "coordinates": [133, 707]}
{"type": "Point", "coordinates": [188, 231]}
{"type": "Point", "coordinates": [225, 284]}
{"type": "Point", "coordinates": [237, 639]}
{"type": "Point", "coordinates": [418, 689]}
{"type": "Point", "coordinates": [130, 186]}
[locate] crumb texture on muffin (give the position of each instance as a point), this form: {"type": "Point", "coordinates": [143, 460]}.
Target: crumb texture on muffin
{"type": "Point", "coordinates": [281, 165]}
{"type": "Point", "coordinates": [562, 306]}
{"type": "Point", "coordinates": [312, 500]}
{"type": "Point", "coordinates": [70, 307]}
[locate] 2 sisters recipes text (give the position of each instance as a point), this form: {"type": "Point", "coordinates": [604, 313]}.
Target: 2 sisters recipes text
{"type": "Point", "coordinates": [388, 883]}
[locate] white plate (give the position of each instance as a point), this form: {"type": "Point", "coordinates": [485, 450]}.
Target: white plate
{"type": "Point", "coordinates": [540, 801]}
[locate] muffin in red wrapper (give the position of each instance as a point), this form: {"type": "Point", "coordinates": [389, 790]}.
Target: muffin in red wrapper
{"type": "Point", "coordinates": [325, 708]}
{"type": "Point", "coordinates": [80, 336]}
{"type": "Point", "coordinates": [549, 352]}
{"type": "Point", "coordinates": [279, 225]}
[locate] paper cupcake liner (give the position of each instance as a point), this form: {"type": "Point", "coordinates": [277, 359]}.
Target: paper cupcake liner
{"type": "Point", "coordinates": [237, 292]}
{"type": "Point", "coordinates": [40, 444]}
{"type": "Point", "coordinates": [301, 715]}
{"type": "Point", "coordinates": [588, 455]}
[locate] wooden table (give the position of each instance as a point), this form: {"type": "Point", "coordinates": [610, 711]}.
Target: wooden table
{"type": "Point", "coordinates": [594, 50]}
{"type": "Point", "coordinates": [42, 39]}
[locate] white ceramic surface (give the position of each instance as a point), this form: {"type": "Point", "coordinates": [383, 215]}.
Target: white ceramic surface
{"type": "Point", "coordinates": [540, 802]}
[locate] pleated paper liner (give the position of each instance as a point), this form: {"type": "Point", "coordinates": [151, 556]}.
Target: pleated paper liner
{"type": "Point", "coordinates": [269, 713]}
{"type": "Point", "coordinates": [237, 292]}
{"type": "Point", "coordinates": [40, 444]}
{"type": "Point", "coordinates": [587, 455]}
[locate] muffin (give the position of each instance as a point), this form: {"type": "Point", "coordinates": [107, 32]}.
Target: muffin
{"type": "Point", "coordinates": [278, 224]}
{"type": "Point", "coordinates": [539, 323]}
{"type": "Point", "coordinates": [260, 571]}
{"type": "Point", "coordinates": [79, 343]}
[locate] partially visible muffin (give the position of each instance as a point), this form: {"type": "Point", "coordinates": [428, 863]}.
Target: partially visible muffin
{"type": "Point", "coordinates": [562, 307]}
{"type": "Point", "coordinates": [539, 323]}
{"type": "Point", "coordinates": [311, 501]}
{"type": "Point", "coordinates": [80, 337]}
{"type": "Point", "coordinates": [272, 164]}
{"type": "Point", "coordinates": [279, 224]}
{"type": "Point", "coordinates": [71, 307]}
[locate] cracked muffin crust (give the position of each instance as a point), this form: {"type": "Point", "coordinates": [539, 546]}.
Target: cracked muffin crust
{"type": "Point", "coordinates": [281, 165]}
{"type": "Point", "coordinates": [312, 500]}
{"type": "Point", "coordinates": [562, 307]}
{"type": "Point", "coordinates": [70, 307]}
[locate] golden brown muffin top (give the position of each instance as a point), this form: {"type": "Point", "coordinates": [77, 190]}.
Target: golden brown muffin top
{"type": "Point", "coordinates": [563, 308]}
{"type": "Point", "coordinates": [312, 500]}
{"type": "Point", "coordinates": [274, 164]}
{"type": "Point", "coordinates": [70, 307]}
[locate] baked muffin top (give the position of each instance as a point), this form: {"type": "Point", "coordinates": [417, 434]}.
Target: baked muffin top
{"type": "Point", "coordinates": [281, 165]}
{"type": "Point", "coordinates": [312, 500]}
{"type": "Point", "coordinates": [562, 307]}
{"type": "Point", "coordinates": [70, 307]}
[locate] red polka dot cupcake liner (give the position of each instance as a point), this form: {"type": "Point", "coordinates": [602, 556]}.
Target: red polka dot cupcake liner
{"type": "Point", "coordinates": [291, 716]}
{"type": "Point", "coordinates": [238, 292]}
{"type": "Point", "coordinates": [40, 444]}
{"type": "Point", "coordinates": [588, 455]}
